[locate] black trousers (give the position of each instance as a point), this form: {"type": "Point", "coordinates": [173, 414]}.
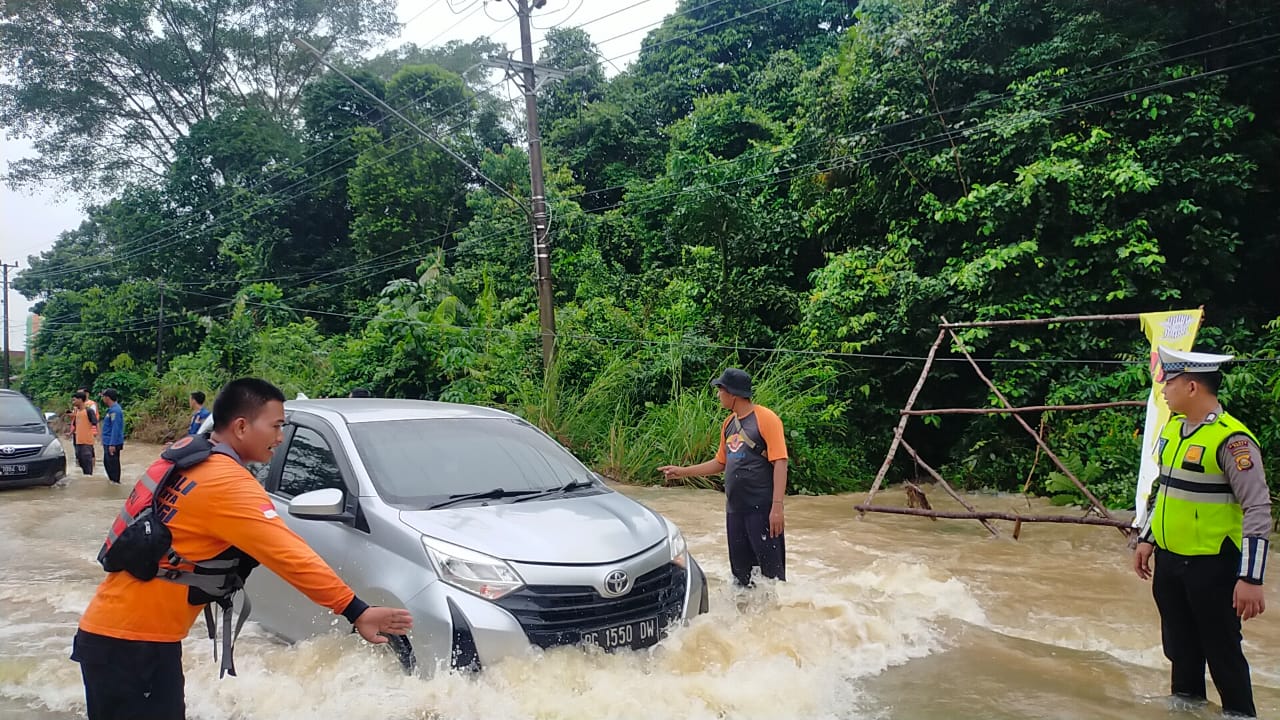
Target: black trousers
{"type": "Point", "coordinates": [84, 457]}
{"type": "Point", "coordinates": [750, 546]}
{"type": "Point", "coordinates": [111, 461]}
{"type": "Point", "coordinates": [1199, 626]}
{"type": "Point", "coordinates": [130, 679]}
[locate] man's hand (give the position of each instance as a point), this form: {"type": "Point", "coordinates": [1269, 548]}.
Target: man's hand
{"type": "Point", "coordinates": [775, 520]}
{"type": "Point", "coordinates": [1142, 559]}
{"type": "Point", "coordinates": [111, 449]}
{"type": "Point", "coordinates": [376, 623]}
{"type": "Point", "coordinates": [1248, 600]}
{"type": "Point", "coordinates": [671, 472]}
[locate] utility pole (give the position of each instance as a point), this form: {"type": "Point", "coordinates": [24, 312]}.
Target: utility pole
{"type": "Point", "coordinates": [542, 258]}
{"type": "Point", "coordinates": [6, 320]}
{"type": "Point", "coordinates": [160, 335]}
{"type": "Point", "coordinates": [541, 249]}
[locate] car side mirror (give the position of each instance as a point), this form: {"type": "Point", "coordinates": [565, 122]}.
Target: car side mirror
{"type": "Point", "coordinates": [322, 504]}
{"type": "Point", "coordinates": [48, 417]}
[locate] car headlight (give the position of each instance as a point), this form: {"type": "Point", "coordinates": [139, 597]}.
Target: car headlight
{"type": "Point", "coordinates": [675, 541]}
{"type": "Point", "coordinates": [54, 449]}
{"type": "Point", "coordinates": [475, 572]}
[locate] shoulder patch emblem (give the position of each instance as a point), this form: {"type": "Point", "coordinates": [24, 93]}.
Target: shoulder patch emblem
{"type": "Point", "coordinates": [1244, 462]}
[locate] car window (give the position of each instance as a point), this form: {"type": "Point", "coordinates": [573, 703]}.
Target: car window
{"type": "Point", "coordinates": [309, 465]}
{"type": "Point", "coordinates": [16, 410]}
{"type": "Point", "coordinates": [415, 463]}
{"type": "Point", "coordinates": [260, 471]}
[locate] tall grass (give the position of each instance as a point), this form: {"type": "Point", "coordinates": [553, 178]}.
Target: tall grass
{"type": "Point", "coordinates": [628, 437]}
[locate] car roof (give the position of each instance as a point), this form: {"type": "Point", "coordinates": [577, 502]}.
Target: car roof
{"type": "Point", "coordinates": [358, 410]}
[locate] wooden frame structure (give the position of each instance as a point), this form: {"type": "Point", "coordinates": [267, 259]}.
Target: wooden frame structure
{"type": "Point", "coordinates": [1097, 513]}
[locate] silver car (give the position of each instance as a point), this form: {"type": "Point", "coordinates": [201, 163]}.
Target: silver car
{"type": "Point", "coordinates": [492, 534]}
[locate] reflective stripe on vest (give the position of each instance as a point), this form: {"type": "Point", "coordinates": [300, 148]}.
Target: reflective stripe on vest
{"type": "Point", "coordinates": [1196, 510]}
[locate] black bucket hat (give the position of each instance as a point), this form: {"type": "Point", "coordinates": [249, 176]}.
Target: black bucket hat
{"type": "Point", "coordinates": [735, 382]}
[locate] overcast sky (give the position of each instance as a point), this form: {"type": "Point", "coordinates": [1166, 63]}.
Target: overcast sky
{"type": "Point", "coordinates": [31, 219]}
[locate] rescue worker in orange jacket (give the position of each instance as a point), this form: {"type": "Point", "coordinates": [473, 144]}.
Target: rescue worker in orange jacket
{"type": "Point", "coordinates": [129, 640]}
{"type": "Point", "coordinates": [84, 427]}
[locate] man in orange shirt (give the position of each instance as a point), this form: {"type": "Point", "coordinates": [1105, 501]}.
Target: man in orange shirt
{"type": "Point", "coordinates": [129, 644]}
{"type": "Point", "coordinates": [753, 457]}
{"type": "Point", "coordinates": [84, 426]}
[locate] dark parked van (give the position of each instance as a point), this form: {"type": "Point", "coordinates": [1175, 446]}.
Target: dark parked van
{"type": "Point", "coordinates": [30, 453]}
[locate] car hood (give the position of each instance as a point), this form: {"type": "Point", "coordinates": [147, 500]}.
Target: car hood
{"type": "Point", "coordinates": [19, 435]}
{"type": "Point", "coordinates": [582, 530]}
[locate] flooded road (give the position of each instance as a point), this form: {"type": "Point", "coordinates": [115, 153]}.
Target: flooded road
{"type": "Point", "coordinates": [890, 617]}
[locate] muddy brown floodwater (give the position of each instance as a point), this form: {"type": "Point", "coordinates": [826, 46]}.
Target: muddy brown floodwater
{"type": "Point", "coordinates": [889, 617]}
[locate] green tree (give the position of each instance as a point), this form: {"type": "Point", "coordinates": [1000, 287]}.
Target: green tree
{"type": "Point", "coordinates": [105, 90]}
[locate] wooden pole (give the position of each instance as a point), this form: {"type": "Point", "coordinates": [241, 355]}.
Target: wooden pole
{"type": "Point", "coordinates": [947, 486]}
{"type": "Point", "coordinates": [1011, 517]}
{"type": "Point", "coordinates": [902, 421]}
{"type": "Point", "coordinates": [1028, 408]}
{"type": "Point", "coordinates": [1097, 505]}
{"type": "Point", "coordinates": [1041, 321]}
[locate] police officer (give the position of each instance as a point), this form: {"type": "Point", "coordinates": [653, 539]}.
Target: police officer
{"type": "Point", "coordinates": [1208, 532]}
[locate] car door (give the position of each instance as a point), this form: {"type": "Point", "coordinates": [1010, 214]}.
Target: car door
{"type": "Point", "coordinates": [309, 459]}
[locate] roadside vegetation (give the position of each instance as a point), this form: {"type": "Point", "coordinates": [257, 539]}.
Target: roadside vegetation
{"type": "Point", "coordinates": [802, 190]}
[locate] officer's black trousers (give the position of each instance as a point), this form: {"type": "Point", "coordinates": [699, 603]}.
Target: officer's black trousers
{"type": "Point", "coordinates": [1199, 626]}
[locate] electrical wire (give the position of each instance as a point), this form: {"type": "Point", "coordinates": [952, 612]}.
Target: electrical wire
{"type": "Point", "coordinates": [966, 132]}
{"type": "Point", "coordinates": [883, 151]}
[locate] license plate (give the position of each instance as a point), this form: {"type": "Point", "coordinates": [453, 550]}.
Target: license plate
{"type": "Point", "coordinates": [634, 635]}
{"type": "Point", "coordinates": [13, 469]}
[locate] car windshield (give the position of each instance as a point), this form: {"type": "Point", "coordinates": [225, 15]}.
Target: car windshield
{"type": "Point", "coordinates": [418, 463]}
{"type": "Point", "coordinates": [17, 411]}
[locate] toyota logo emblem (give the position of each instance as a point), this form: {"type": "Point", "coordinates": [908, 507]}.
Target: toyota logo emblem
{"type": "Point", "coordinates": [616, 583]}
{"type": "Point", "coordinates": [8, 450]}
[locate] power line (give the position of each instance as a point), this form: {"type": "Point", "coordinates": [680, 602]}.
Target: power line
{"type": "Point", "coordinates": [884, 151]}
{"type": "Point", "coordinates": [125, 252]}
{"type": "Point", "coordinates": [436, 141]}
{"type": "Point", "coordinates": [689, 342]}
{"type": "Point", "coordinates": [138, 251]}
{"type": "Point", "coordinates": [558, 23]}
{"type": "Point", "coordinates": [479, 5]}
{"type": "Point", "coordinates": [669, 17]}
{"type": "Point", "coordinates": [606, 16]}
{"type": "Point", "coordinates": [163, 243]}
{"type": "Point", "coordinates": [917, 143]}
{"type": "Point", "coordinates": [420, 13]}
{"type": "Point", "coordinates": [931, 115]}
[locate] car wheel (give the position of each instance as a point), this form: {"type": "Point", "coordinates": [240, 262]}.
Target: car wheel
{"type": "Point", "coordinates": [403, 650]}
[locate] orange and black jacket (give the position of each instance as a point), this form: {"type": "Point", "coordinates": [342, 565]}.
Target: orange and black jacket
{"type": "Point", "coordinates": [217, 505]}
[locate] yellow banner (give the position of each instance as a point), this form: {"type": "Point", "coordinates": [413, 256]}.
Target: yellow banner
{"type": "Point", "coordinates": [1175, 330]}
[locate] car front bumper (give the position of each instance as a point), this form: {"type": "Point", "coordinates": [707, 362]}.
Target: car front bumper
{"type": "Point", "coordinates": [559, 605]}
{"type": "Point", "coordinates": [26, 472]}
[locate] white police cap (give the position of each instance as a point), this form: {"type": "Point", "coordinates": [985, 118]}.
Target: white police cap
{"type": "Point", "coordinates": [1177, 362]}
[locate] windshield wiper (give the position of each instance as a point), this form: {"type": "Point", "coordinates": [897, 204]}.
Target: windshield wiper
{"type": "Point", "coordinates": [574, 485]}
{"type": "Point", "coordinates": [487, 494]}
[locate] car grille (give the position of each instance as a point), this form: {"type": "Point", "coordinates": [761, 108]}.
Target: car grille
{"type": "Point", "coordinates": [21, 452]}
{"type": "Point", "coordinates": [558, 614]}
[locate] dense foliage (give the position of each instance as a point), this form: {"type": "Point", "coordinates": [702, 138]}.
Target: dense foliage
{"type": "Point", "coordinates": [801, 188]}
